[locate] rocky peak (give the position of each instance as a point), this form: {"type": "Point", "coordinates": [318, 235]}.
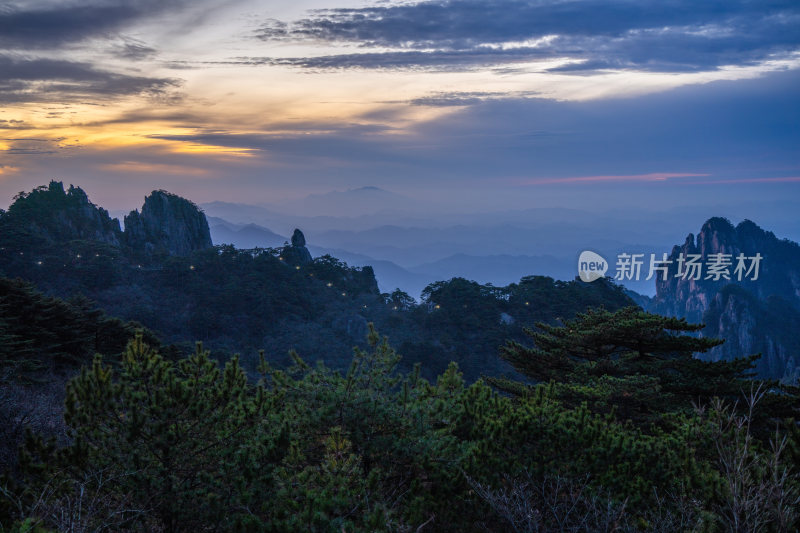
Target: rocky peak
{"type": "Point", "coordinates": [298, 239]}
{"type": "Point", "coordinates": [52, 215]}
{"type": "Point", "coordinates": [778, 270]}
{"type": "Point", "coordinates": [167, 224]}
{"type": "Point", "coordinates": [740, 311]}
{"type": "Point", "coordinates": [297, 253]}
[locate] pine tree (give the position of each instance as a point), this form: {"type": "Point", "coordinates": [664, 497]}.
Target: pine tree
{"type": "Point", "coordinates": [640, 364]}
{"type": "Point", "coordinates": [187, 446]}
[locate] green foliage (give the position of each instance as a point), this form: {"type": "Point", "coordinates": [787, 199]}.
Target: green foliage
{"type": "Point", "coordinates": [48, 214]}
{"type": "Point", "coordinates": [189, 446]}
{"type": "Point", "coordinates": [186, 446]}
{"type": "Point", "coordinates": [38, 332]}
{"type": "Point", "coordinates": [641, 364]}
{"type": "Point", "coordinates": [371, 447]}
{"type": "Point", "coordinates": [466, 321]}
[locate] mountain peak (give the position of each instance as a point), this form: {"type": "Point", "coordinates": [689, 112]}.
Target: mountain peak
{"type": "Point", "coordinates": [51, 214]}
{"type": "Point", "coordinates": [168, 224]}
{"type": "Point", "coordinates": [368, 188]}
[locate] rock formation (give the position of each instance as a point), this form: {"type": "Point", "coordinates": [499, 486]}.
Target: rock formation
{"type": "Point", "coordinates": [297, 253]}
{"type": "Point", "coordinates": [167, 224]}
{"type": "Point", "coordinates": [754, 316]}
{"type": "Point", "coordinates": [51, 215]}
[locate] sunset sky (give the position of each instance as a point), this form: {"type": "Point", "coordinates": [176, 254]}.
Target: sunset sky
{"type": "Point", "coordinates": [475, 103]}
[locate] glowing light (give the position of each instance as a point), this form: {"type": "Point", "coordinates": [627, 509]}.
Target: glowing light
{"type": "Point", "coordinates": [191, 267]}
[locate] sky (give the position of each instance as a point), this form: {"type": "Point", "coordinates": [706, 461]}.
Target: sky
{"type": "Point", "coordinates": [469, 105]}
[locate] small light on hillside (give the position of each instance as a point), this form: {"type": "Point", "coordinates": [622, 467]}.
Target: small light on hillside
{"type": "Point", "coordinates": [191, 267]}
{"type": "Point", "coordinates": [395, 308]}
{"type": "Point", "coordinates": [437, 306]}
{"type": "Point", "coordinates": [38, 262]}
{"type": "Point", "coordinates": [78, 256]}
{"type": "Point", "coordinates": [280, 258]}
{"type": "Point", "coordinates": [344, 294]}
{"type": "Point", "coordinates": [297, 267]}
{"type": "Point", "coordinates": [527, 303]}
{"type": "Point", "coordinates": [330, 284]}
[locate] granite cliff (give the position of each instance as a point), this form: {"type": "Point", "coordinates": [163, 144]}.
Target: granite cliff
{"type": "Point", "coordinates": [167, 224]}
{"type": "Point", "coordinates": [753, 315]}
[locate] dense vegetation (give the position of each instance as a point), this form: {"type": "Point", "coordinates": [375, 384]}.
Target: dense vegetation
{"type": "Point", "coordinates": [157, 445]}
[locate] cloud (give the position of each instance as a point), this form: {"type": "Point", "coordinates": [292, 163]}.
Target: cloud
{"type": "Point", "coordinates": [676, 36]}
{"type": "Point", "coordinates": [350, 145]}
{"type": "Point", "coordinates": [134, 50]}
{"type": "Point", "coordinates": [55, 80]}
{"type": "Point", "coordinates": [12, 124]}
{"type": "Point", "coordinates": [440, 60]}
{"type": "Point", "coordinates": [28, 146]}
{"type": "Point", "coordinates": [641, 178]}
{"type": "Point", "coordinates": [456, 99]}
{"type": "Point", "coordinates": [58, 24]}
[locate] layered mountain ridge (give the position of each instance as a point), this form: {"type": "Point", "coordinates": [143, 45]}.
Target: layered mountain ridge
{"type": "Point", "coordinates": [163, 272]}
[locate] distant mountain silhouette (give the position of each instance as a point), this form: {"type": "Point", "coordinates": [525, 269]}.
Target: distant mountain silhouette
{"type": "Point", "coordinates": [352, 202]}
{"type": "Point", "coordinates": [243, 235]}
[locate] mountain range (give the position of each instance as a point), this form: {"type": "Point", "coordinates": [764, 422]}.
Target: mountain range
{"type": "Point", "coordinates": [165, 271]}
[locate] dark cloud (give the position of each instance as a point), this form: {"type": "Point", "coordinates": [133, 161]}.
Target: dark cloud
{"type": "Point", "coordinates": [63, 23]}
{"type": "Point", "coordinates": [440, 60]}
{"type": "Point", "coordinates": [356, 143]}
{"type": "Point", "coordinates": [12, 124]}
{"type": "Point", "coordinates": [673, 36]}
{"type": "Point", "coordinates": [30, 146]}
{"type": "Point", "coordinates": [134, 50]}
{"type": "Point", "coordinates": [45, 80]}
